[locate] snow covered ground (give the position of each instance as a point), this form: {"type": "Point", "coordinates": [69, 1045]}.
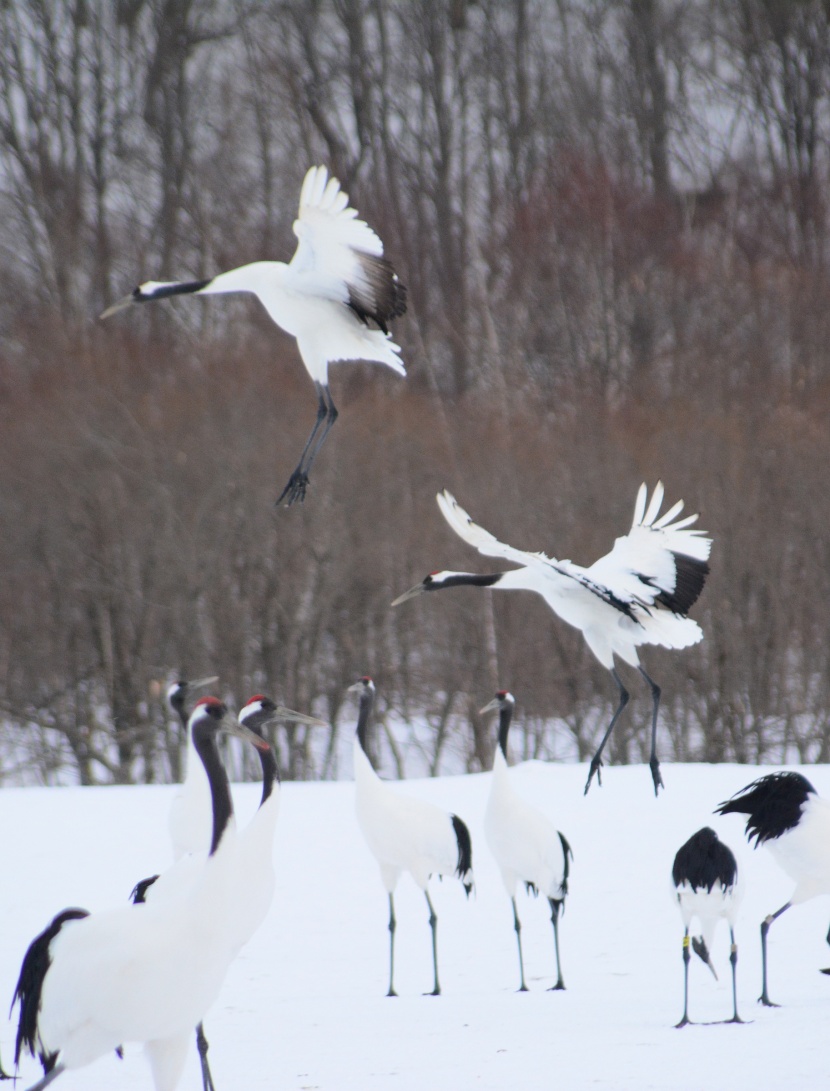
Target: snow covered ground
{"type": "Point", "coordinates": [304, 1006]}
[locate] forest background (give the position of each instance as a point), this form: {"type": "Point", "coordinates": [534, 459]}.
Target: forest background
{"type": "Point", "coordinates": [612, 219]}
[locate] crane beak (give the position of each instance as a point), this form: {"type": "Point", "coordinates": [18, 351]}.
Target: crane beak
{"type": "Point", "coordinates": [232, 726]}
{"type": "Point", "coordinates": [491, 706]}
{"type": "Point", "coordinates": [200, 683]}
{"type": "Point", "coordinates": [121, 305]}
{"type": "Point", "coordinates": [282, 713]}
{"type": "Point", "coordinates": [412, 593]}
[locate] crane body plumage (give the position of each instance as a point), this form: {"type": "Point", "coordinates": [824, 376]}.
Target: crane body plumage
{"type": "Point", "coordinates": [638, 593]}
{"type": "Point", "coordinates": [405, 834]}
{"type": "Point", "coordinates": [336, 296]}
{"type": "Point", "coordinates": [525, 844]}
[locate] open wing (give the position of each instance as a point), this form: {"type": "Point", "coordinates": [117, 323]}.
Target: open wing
{"type": "Point", "coordinates": [482, 540]}
{"type": "Point", "coordinates": [659, 560]}
{"type": "Point", "coordinates": [339, 256]}
{"type": "Point", "coordinates": [548, 567]}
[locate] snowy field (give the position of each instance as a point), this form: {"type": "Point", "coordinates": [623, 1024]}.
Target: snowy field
{"type": "Point", "coordinates": [304, 1006]}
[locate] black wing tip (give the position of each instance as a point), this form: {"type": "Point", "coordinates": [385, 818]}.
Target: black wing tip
{"type": "Point", "coordinates": [690, 577]}
{"type": "Point", "coordinates": [139, 891]}
{"type": "Point", "coordinates": [772, 804]}
{"type": "Point", "coordinates": [465, 850]}
{"type": "Point", "coordinates": [29, 987]}
{"type": "Point", "coordinates": [382, 297]}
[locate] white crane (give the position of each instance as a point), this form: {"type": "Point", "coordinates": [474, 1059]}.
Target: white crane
{"type": "Point", "coordinates": [254, 884]}
{"type": "Point", "coordinates": [405, 834]}
{"type": "Point", "coordinates": [527, 846]}
{"type": "Point", "coordinates": [144, 973]}
{"type": "Point", "coordinates": [705, 878]}
{"type": "Point", "coordinates": [255, 868]}
{"type": "Point", "coordinates": [639, 593]}
{"type": "Point", "coordinates": [785, 813]}
{"type": "Point", "coordinates": [336, 296]}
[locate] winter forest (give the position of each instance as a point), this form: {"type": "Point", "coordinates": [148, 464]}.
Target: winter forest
{"type": "Point", "coordinates": [612, 219]}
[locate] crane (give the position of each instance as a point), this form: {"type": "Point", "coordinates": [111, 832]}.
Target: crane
{"type": "Point", "coordinates": [785, 813]}
{"type": "Point", "coordinates": [336, 296]}
{"type": "Point", "coordinates": [145, 973]}
{"type": "Point", "coordinates": [639, 593]}
{"type": "Point", "coordinates": [254, 885]}
{"type": "Point", "coordinates": [526, 845]}
{"type": "Point", "coordinates": [405, 834]}
{"type": "Point", "coordinates": [705, 879]}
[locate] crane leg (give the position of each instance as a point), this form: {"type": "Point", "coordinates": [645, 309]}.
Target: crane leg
{"type": "Point", "coordinates": [392, 926]}
{"type": "Point", "coordinates": [687, 954]}
{"type": "Point", "coordinates": [47, 1079]}
{"type": "Point", "coordinates": [298, 482]}
{"type": "Point", "coordinates": [331, 417]}
{"type": "Point", "coordinates": [433, 923]}
{"type": "Point", "coordinates": [596, 761]}
{"type": "Point", "coordinates": [517, 927]}
{"type": "Point", "coordinates": [202, 1045]}
{"type": "Point", "coordinates": [765, 925]}
{"type": "Point", "coordinates": [555, 906]}
{"type": "Point", "coordinates": [733, 958]}
{"type": "Point", "coordinates": [654, 764]}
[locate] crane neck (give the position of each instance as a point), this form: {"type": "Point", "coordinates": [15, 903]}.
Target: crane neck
{"type": "Point", "coordinates": [270, 773]}
{"type": "Point", "coordinates": [367, 700]}
{"type": "Point", "coordinates": [204, 740]}
{"type": "Point", "coordinates": [505, 716]}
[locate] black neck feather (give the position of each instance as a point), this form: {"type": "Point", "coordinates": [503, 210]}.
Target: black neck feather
{"type": "Point", "coordinates": [204, 739]}
{"type": "Point", "coordinates": [505, 716]}
{"type": "Point", "coordinates": [270, 772]}
{"type": "Point", "coordinates": [468, 579]}
{"type": "Point", "coordinates": [367, 700]}
{"type": "Point", "coordinates": [166, 290]}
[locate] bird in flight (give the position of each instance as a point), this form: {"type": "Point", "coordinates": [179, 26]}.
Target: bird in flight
{"type": "Point", "coordinates": [336, 296]}
{"type": "Point", "coordinates": [639, 593]}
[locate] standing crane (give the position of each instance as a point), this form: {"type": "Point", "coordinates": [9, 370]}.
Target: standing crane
{"type": "Point", "coordinates": [405, 834]}
{"type": "Point", "coordinates": [526, 845]}
{"type": "Point", "coordinates": [705, 878]}
{"type": "Point", "coordinates": [639, 593]}
{"type": "Point", "coordinates": [336, 296]}
{"type": "Point", "coordinates": [254, 885]}
{"type": "Point", "coordinates": [785, 813]}
{"type": "Point", "coordinates": [146, 973]}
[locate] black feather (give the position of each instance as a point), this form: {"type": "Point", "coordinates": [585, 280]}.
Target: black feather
{"type": "Point", "coordinates": [378, 296]}
{"type": "Point", "coordinates": [690, 577]}
{"type": "Point", "coordinates": [33, 970]}
{"type": "Point", "coordinates": [567, 852]}
{"type": "Point", "coordinates": [772, 803]}
{"type": "Point", "coordinates": [465, 850]}
{"type": "Point", "coordinates": [704, 861]}
{"type": "Point", "coordinates": [139, 894]}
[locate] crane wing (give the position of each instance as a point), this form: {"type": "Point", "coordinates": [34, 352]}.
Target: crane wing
{"type": "Point", "coordinates": [339, 256]}
{"type": "Point", "coordinates": [482, 540]}
{"type": "Point", "coordinates": [548, 567]}
{"type": "Point", "coordinates": [659, 560]}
